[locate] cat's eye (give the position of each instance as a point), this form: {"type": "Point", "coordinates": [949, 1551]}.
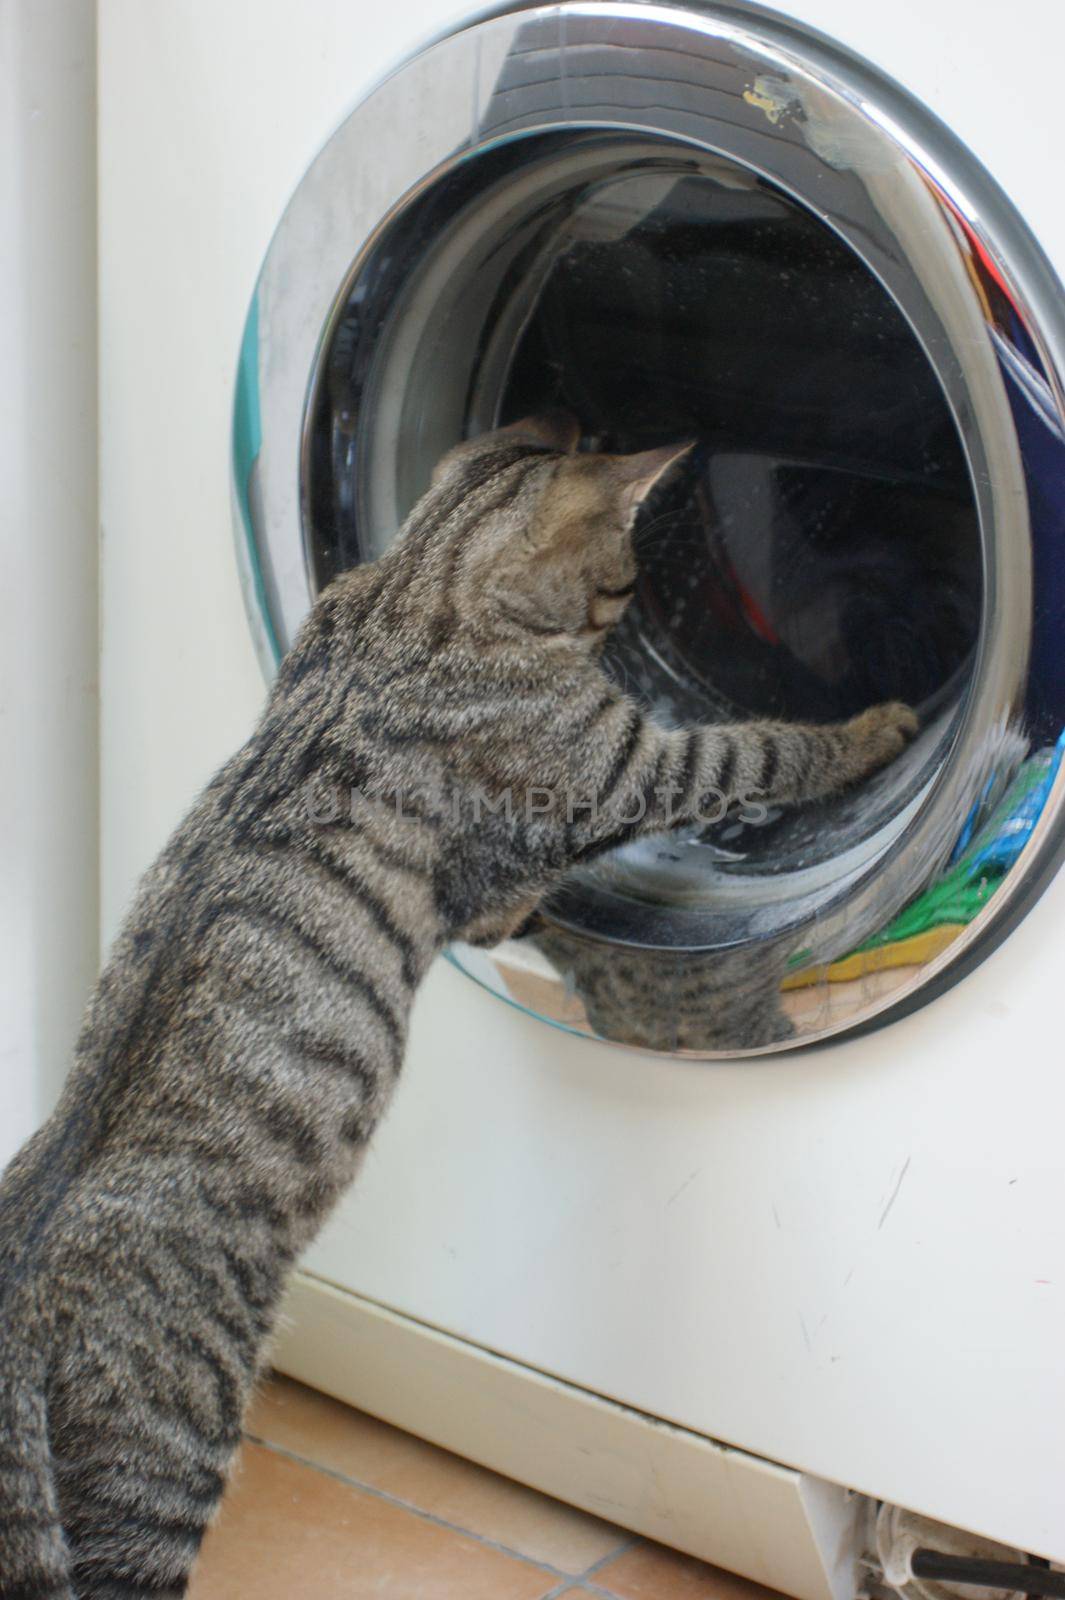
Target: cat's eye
{"type": "Point", "coordinates": [679, 227]}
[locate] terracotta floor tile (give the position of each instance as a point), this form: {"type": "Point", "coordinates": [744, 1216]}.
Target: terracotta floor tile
{"type": "Point", "coordinates": [652, 1572]}
{"type": "Point", "coordinates": [288, 1530]}
{"type": "Point", "coordinates": [323, 1430]}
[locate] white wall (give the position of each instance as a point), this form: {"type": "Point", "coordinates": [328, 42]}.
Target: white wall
{"type": "Point", "coordinates": [48, 548]}
{"type": "Point", "coordinates": [209, 116]}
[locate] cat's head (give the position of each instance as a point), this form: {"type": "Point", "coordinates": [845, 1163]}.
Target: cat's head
{"type": "Point", "coordinates": [548, 540]}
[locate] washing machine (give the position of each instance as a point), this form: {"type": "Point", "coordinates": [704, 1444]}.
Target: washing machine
{"type": "Point", "coordinates": [729, 1202]}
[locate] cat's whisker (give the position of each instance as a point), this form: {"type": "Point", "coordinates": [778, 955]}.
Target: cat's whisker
{"type": "Point", "coordinates": [656, 522]}
{"type": "Point", "coordinates": [654, 540]}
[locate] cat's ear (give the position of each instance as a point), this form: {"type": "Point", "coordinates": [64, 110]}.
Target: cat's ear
{"type": "Point", "coordinates": [547, 430]}
{"type": "Point", "coordinates": [637, 475]}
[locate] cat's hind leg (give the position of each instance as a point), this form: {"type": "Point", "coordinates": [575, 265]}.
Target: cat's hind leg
{"type": "Point", "coordinates": [34, 1556]}
{"type": "Point", "coordinates": [136, 1495]}
{"type": "Point", "coordinates": [145, 1425]}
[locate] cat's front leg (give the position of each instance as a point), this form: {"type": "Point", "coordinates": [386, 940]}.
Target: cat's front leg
{"type": "Point", "coordinates": [790, 763]}
{"type": "Point", "coordinates": [785, 763]}
{"type": "Point", "coordinates": [660, 778]}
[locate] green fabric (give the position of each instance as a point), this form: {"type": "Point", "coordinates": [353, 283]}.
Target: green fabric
{"type": "Point", "coordinates": [969, 885]}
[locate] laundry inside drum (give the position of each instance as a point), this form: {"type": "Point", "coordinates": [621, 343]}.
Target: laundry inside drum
{"type": "Point", "coordinates": [817, 552]}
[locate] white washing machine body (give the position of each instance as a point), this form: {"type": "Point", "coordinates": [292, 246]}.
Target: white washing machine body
{"type": "Point", "coordinates": [848, 1260]}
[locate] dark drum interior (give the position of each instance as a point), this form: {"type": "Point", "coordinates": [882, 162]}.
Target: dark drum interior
{"type": "Point", "coordinates": [821, 551]}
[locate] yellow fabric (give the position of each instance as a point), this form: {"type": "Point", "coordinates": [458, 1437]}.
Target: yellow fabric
{"type": "Point", "coordinates": [912, 952]}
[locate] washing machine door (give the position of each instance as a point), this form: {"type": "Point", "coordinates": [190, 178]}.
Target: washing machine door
{"type": "Point", "coordinates": [708, 223]}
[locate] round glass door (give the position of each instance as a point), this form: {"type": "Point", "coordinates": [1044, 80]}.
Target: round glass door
{"type": "Point", "coordinates": [872, 505]}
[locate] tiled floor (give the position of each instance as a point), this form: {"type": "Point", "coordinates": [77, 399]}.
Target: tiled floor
{"type": "Point", "coordinates": [329, 1504]}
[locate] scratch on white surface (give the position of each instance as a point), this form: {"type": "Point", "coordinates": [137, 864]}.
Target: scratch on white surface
{"type": "Point", "coordinates": [776, 1216]}
{"type": "Point", "coordinates": [678, 1192]}
{"type": "Point", "coordinates": [894, 1193]}
{"type": "Point", "coordinates": [805, 1332]}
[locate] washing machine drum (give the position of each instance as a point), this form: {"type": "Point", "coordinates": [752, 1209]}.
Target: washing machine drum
{"type": "Point", "coordinates": [708, 224]}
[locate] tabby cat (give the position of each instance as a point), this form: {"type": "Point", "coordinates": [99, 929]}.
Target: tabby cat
{"type": "Point", "coordinates": [244, 1039]}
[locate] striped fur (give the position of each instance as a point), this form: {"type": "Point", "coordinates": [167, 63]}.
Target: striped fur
{"type": "Point", "coordinates": [670, 1000]}
{"type": "Point", "coordinates": [245, 1037]}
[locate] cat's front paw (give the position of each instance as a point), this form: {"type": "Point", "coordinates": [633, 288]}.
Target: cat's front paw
{"type": "Point", "coordinates": [880, 734]}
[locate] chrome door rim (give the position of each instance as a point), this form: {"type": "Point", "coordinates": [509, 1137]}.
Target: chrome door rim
{"type": "Point", "coordinates": [800, 105]}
